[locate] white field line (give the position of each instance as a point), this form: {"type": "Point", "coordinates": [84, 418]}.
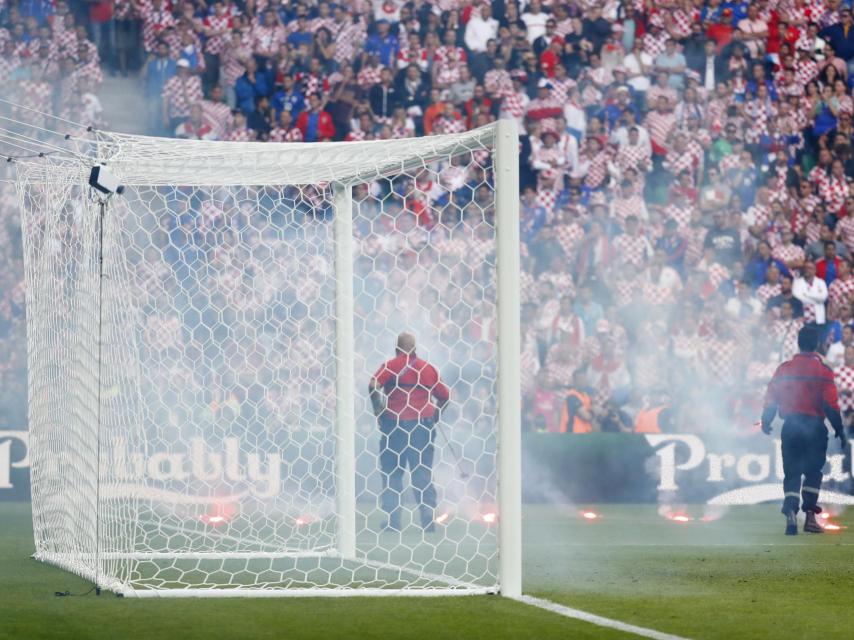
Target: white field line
{"type": "Point", "coordinates": [598, 620]}
{"type": "Point", "coordinates": [697, 545]}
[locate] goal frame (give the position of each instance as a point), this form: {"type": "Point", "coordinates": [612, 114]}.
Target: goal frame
{"type": "Point", "coordinates": [506, 194]}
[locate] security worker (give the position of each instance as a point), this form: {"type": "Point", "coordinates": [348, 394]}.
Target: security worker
{"type": "Point", "coordinates": [656, 416]}
{"type": "Point", "coordinates": [804, 392]}
{"type": "Point", "coordinates": [401, 393]}
{"type": "Point", "coordinates": [577, 413]}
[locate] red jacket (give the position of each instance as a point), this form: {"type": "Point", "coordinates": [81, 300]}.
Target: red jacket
{"type": "Point", "coordinates": [821, 267]}
{"type": "Point", "coordinates": [410, 383]}
{"type": "Point", "coordinates": [470, 105]}
{"type": "Point", "coordinates": [803, 385]}
{"type": "Point", "coordinates": [325, 126]}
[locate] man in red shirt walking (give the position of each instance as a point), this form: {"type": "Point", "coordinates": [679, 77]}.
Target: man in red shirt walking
{"type": "Point", "coordinates": [803, 390]}
{"type": "Point", "coordinates": [402, 392]}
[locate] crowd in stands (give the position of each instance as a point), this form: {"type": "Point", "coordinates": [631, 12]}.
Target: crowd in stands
{"type": "Point", "coordinates": [685, 171]}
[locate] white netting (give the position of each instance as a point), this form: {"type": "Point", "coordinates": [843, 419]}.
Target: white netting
{"type": "Point", "coordinates": [215, 418]}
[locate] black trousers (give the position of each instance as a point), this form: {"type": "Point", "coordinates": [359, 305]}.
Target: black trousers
{"type": "Point", "coordinates": [407, 443]}
{"type": "Point", "coordinates": [804, 454]}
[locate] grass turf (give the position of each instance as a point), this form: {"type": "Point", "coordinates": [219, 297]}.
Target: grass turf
{"type": "Point", "coordinates": [735, 577]}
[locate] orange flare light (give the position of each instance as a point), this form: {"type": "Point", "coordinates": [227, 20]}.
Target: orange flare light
{"type": "Point", "coordinates": [219, 514]}
{"type": "Point", "coordinates": [442, 519]}
{"type": "Point", "coordinates": [303, 520]}
{"type": "Point", "coordinates": [589, 515]}
{"type": "Point", "coordinates": [681, 518]}
{"type": "Point", "coordinates": [830, 526]}
{"type": "Point", "coordinates": [213, 520]}
{"type": "Point", "coordinates": [490, 518]}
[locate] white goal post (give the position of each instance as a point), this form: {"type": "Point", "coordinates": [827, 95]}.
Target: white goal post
{"type": "Point", "coordinates": [200, 347]}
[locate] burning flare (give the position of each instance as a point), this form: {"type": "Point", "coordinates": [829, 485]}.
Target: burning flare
{"type": "Point", "coordinates": [680, 517]}
{"type": "Point", "coordinates": [220, 513]}
{"type": "Point", "coordinates": [827, 524]}
{"type": "Point", "coordinates": [590, 515]}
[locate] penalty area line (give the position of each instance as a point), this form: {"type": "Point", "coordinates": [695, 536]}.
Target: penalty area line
{"type": "Point", "coordinates": [577, 614]}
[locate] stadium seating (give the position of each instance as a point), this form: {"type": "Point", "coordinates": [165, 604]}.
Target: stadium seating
{"type": "Point", "coordinates": [683, 166]}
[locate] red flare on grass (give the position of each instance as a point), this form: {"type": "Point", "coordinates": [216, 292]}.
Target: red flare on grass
{"type": "Point", "coordinates": [219, 514]}
{"type": "Point", "coordinates": [442, 519]}
{"type": "Point", "coordinates": [590, 515]}
{"type": "Point", "coordinates": [490, 518]}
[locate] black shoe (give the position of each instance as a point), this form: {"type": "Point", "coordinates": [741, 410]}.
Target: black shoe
{"type": "Point", "coordinates": [811, 525]}
{"type": "Point", "coordinates": [791, 523]}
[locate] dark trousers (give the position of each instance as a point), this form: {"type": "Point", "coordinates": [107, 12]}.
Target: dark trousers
{"type": "Point", "coordinates": [804, 454]}
{"type": "Point", "coordinates": [407, 443]}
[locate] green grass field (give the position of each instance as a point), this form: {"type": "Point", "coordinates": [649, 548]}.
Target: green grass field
{"type": "Point", "coordinates": [736, 577]}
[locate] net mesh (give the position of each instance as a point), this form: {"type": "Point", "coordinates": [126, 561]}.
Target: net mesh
{"type": "Point", "coordinates": [193, 445]}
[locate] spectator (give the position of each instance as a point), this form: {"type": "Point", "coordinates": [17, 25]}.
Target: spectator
{"type": "Point", "coordinates": [383, 96]}
{"type": "Point", "coordinates": [180, 93]}
{"type": "Point", "coordinates": [786, 295]}
{"type": "Point", "coordinates": [818, 249]}
{"type": "Point", "coordinates": [158, 70]}
{"type": "Point", "coordinates": [759, 264]}
{"type": "Point", "coordinates": [588, 309]}
{"type": "Point", "coordinates": [262, 118]}
{"type": "Point", "coordinates": [744, 305]}
{"type": "Point", "coordinates": [240, 132]}
{"type": "Point", "coordinates": [288, 97]}
{"type": "Point", "coordinates": [315, 124]}
{"type": "Point", "coordinates": [827, 268]}
{"type": "Point", "coordinates": [840, 39]}
{"type": "Point", "coordinates": [383, 44]}
{"type": "Point", "coordinates": [836, 352]}
{"type": "Point", "coordinates": [844, 376]}
{"type": "Point", "coordinates": [840, 290]}
{"type": "Point", "coordinates": [535, 20]}
{"type": "Point", "coordinates": [723, 240]}
{"type": "Point", "coordinates": [608, 372]}
{"type": "Point", "coordinates": [812, 292]}
{"type": "Point", "coordinates": [216, 113]}
{"type": "Point", "coordinates": [785, 331]}
{"type": "Point", "coordinates": [673, 63]}
{"type": "Point", "coordinates": [285, 130]}
{"type": "Point", "coordinates": [413, 91]}
{"type": "Point", "coordinates": [253, 84]}
{"type": "Point", "coordinates": [480, 29]}
{"type": "Point", "coordinates": [195, 127]}
{"type": "Point", "coordinates": [462, 89]}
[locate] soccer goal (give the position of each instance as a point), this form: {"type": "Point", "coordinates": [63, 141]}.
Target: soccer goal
{"type": "Point", "coordinates": [200, 349]}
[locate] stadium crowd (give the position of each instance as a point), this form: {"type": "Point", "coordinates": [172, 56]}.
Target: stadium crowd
{"type": "Point", "coordinates": [685, 170]}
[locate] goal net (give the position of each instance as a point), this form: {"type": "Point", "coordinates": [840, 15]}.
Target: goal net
{"type": "Point", "coordinates": [200, 350]}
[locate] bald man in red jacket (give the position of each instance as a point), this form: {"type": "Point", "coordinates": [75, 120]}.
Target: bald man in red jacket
{"type": "Point", "coordinates": [403, 391]}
